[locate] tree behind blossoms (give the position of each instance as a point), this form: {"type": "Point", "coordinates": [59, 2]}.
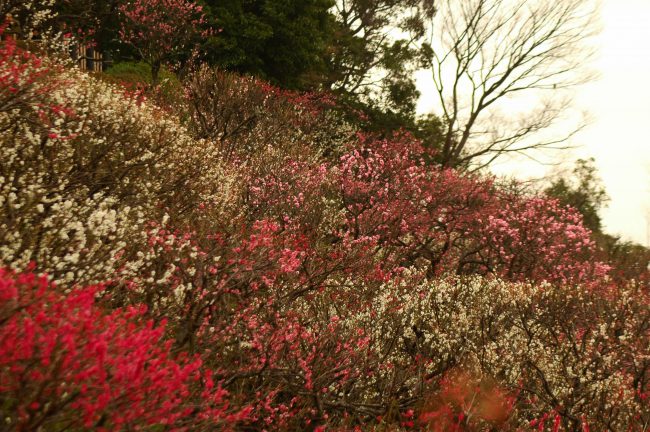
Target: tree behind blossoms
{"type": "Point", "coordinates": [161, 30]}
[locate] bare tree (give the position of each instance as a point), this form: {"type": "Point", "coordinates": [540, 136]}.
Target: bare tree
{"type": "Point", "coordinates": [485, 54]}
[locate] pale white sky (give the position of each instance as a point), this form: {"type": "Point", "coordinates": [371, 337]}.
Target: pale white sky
{"type": "Point", "coordinates": [619, 138]}
{"type": "Point", "coordinates": [619, 105]}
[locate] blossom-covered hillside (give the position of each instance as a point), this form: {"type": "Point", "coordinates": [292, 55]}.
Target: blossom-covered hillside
{"type": "Point", "coordinates": [246, 260]}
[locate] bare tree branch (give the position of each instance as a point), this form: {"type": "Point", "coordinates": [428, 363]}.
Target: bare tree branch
{"type": "Point", "coordinates": [485, 53]}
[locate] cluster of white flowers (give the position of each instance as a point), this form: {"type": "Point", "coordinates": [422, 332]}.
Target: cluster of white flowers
{"type": "Point", "coordinates": [85, 168]}
{"type": "Point", "coordinates": [36, 15]}
{"type": "Point", "coordinates": [556, 348]}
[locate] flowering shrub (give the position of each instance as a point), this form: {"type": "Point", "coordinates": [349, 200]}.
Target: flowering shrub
{"type": "Point", "coordinates": [85, 166]}
{"type": "Point", "coordinates": [537, 239]}
{"type": "Point", "coordinates": [587, 369]}
{"type": "Point", "coordinates": [314, 279]}
{"type": "Point", "coordinates": [65, 363]}
{"type": "Point", "coordinates": [246, 118]}
{"type": "Point", "coordinates": [450, 222]}
{"type": "Point", "coordinates": [27, 18]}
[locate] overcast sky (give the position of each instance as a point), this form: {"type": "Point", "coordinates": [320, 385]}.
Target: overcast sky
{"type": "Point", "coordinates": [619, 105]}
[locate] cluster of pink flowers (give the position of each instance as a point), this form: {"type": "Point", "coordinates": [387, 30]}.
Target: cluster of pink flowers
{"type": "Point", "coordinates": [159, 29]}
{"type": "Point", "coordinates": [538, 239]}
{"type": "Point", "coordinates": [157, 22]}
{"type": "Point", "coordinates": [454, 222]}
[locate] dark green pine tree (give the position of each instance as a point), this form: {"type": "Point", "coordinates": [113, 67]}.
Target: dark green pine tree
{"type": "Point", "coordinates": [584, 191]}
{"type": "Point", "coordinates": [282, 41]}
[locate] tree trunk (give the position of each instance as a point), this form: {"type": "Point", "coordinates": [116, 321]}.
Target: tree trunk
{"type": "Point", "coordinates": [155, 71]}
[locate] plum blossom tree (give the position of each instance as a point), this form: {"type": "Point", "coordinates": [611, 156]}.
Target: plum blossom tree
{"type": "Point", "coordinates": [160, 30]}
{"type": "Point", "coordinates": [535, 239]}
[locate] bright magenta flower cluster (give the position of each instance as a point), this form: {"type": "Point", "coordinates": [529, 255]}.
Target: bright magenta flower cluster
{"type": "Point", "coordinates": [64, 360]}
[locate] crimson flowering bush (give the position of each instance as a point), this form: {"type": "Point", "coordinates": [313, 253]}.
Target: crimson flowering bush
{"type": "Point", "coordinates": [66, 363]}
